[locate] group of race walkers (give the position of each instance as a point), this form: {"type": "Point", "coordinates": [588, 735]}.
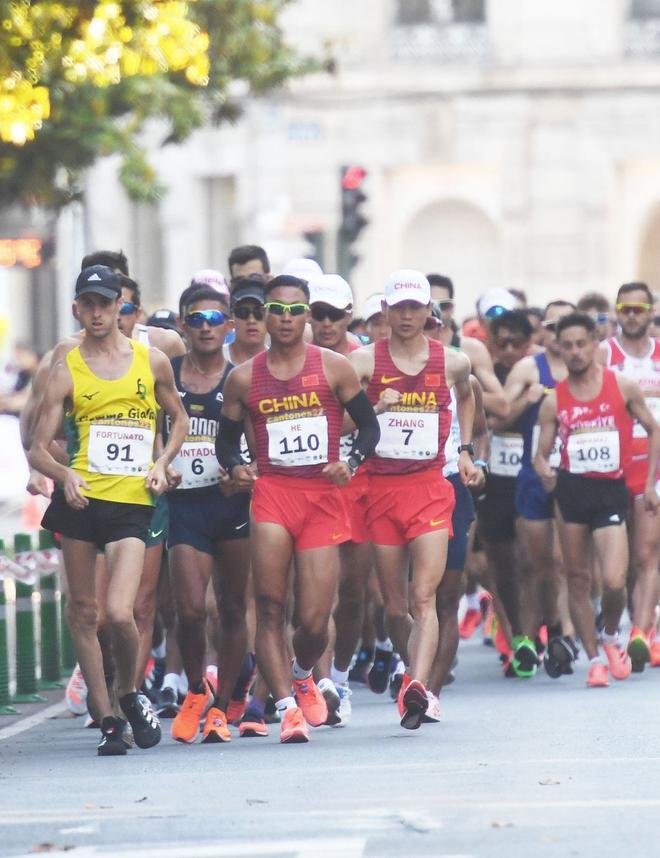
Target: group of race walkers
{"type": "Point", "coordinates": [280, 512]}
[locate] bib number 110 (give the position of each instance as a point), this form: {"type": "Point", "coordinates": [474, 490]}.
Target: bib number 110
{"type": "Point", "coordinates": [299, 444]}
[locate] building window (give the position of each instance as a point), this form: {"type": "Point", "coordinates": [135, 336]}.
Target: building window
{"type": "Point", "coordinates": [642, 33]}
{"type": "Point", "coordinates": [643, 10]}
{"type": "Point", "coordinates": [441, 30]}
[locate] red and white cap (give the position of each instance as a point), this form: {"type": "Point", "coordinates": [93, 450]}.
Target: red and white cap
{"type": "Point", "coordinates": [211, 277]}
{"type": "Point", "coordinates": [407, 285]}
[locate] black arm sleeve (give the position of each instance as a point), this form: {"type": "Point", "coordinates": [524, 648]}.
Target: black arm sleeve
{"type": "Point", "coordinates": [228, 443]}
{"type": "Point", "coordinates": [363, 415]}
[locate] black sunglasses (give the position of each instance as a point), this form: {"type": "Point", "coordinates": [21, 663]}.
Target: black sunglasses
{"type": "Point", "coordinates": [321, 312]}
{"type": "Point", "coordinates": [213, 318]}
{"type": "Point", "coordinates": [244, 311]}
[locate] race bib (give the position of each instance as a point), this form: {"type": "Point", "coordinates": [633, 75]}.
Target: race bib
{"type": "Point", "coordinates": [653, 403]}
{"type": "Point", "coordinates": [293, 443]}
{"type": "Point", "coordinates": [555, 454]}
{"type": "Point", "coordinates": [506, 455]}
{"type": "Point", "coordinates": [594, 451]}
{"type": "Point", "coordinates": [408, 435]}
{"type": "Point", "coordinates": [119, 450]}
{"type": "Point", "coordinates": [197, 463]}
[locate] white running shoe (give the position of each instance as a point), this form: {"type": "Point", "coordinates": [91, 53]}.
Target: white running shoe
{"type": "Point", "coordinates": [76, 692]}
{"type": "Point", "coordinates": [432, 714]}
{"type": "Point", "coordinates": [327, 688]}
{"type": "Point", "coordinates": [345, 708]}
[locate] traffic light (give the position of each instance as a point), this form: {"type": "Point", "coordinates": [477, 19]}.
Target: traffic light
{"type": "Point", "coordinates": [352, 219]}
{"type": "Point", "coordinates": [316, 251]}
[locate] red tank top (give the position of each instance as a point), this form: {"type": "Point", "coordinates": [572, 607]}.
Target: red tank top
{"type": "Point", "coordinates": [296, 422]}
{"type": "Point", "coordinates": [412, 433]}
{"type": "Point", "coordinates": [596, 435]}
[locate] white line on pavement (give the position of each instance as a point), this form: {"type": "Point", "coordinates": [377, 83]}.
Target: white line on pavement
{"type": "Point", "coordinates": [32, 720]}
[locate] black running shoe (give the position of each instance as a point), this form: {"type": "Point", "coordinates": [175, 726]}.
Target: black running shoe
{"type": "Point", "coordinates": [379, 673]}
{"type": "Point", "coordinates": [167, 705]}
{"type": "Point", "coordinates": [143, 720]}
{"type": "Point", "coordinates": [358, 673]}
{"type": "Point", "coordinates": [396, 680]}
{"type": "Point", "coordinates": [561, 654]}
{"type": "Point", "coordinates": [112, 742]}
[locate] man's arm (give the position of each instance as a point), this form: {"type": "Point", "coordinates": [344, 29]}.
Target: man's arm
{"type": "Point", "coordinates": [495, 402]}
{"type": "Point", "coordinates": [637, 407]}
{"type": "Point", "coordinates": [169, 400]}
{"type": "Point", "coordinates": [58, 391]}
{"type": "Point", "coordinates": [231, 428]}
{"type": "Point", "coordinates": [458, 375]}
{"type": "Point", "coordinates": [521, 389]}
{"type": "Point", "coordinates": [169, 342]}
{"type": "Point", "coordinates": [547, 422]}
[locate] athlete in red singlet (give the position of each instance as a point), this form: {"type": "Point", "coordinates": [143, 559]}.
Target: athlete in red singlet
{"type": "Point", "coordinates": [636, 355]}
{"type": "Point", "coordinates": [592, 412]}
{"type": "Point", "coordinates": [408, 378]}
{"type": "Point", "coordinates": [294, 395]}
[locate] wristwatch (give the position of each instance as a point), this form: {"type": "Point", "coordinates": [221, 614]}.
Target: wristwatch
{"type": "Point", "coordinates": [353, 463]}
{"type": "Point", "coordinates": [467, 448]}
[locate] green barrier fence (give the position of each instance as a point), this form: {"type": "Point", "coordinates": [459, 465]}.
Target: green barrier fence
{"type": "Point", "coordinates": [5, 708]}
{"type": "Point", "coordinates": [26, 665]}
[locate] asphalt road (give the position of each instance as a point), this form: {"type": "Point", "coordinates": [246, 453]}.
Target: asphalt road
{"type": "Point", "coordinates": [516, 768]}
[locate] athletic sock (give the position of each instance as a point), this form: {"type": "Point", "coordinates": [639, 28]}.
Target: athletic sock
{"type": "Point", "coordinates": [385, 645]}
{"type": "Point", "coordinates": [285, 703]}
{"type": "Point", "coordinates": [608, 638]}
{"type": "Point", "coordinates": [339, 677]}
{"type": "Point", "coordinates": [596, 660]}
{"type": "Point", "coordinates": [183, 683]}
{"type": "Point", "coordinates": [472, 600]}
{"type": "Point", "coordinates": [299, 672]}
{"type": "Point", "coordinates": [171, 680]}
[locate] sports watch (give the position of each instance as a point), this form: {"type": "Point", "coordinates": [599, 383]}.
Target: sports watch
{"type": "Point", "coordinates": [353, 463]}
{"type": "Point", "coordinates": [467, 448]}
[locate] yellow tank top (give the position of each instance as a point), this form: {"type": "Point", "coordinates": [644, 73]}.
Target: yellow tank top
{"type": "Point", "coordinates": [111, 428]}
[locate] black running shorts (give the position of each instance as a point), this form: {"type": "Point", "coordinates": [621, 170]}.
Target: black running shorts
{"type": "Point", "coordinates": [99, 522]}
{"type": "Point", "coordinates": [595, 503]}
{"type": "Point", "coordinates": [496, 510]}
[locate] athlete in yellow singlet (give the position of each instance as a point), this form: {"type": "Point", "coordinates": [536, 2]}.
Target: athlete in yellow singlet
{"type": "Point", "coordinates": [109, 388]}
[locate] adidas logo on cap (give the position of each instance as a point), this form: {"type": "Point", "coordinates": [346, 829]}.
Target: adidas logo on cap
{"type": "Point", "coordinates": [94, 276]}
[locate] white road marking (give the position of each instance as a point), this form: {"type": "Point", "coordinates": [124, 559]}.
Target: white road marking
{"type": "Point", "coordinates": [32, 720]}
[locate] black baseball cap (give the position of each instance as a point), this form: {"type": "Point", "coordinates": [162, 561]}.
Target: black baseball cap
{"type": "Point", "coordinates": [100, 280]}
{"type": "Point", "coordinates": [163, 319]}
{"type": "Point", "coordinates": [248, 288]}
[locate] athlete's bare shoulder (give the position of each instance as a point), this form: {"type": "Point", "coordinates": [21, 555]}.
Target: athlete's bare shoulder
{"type": "Point", "coordinates": [61, 350]}
{"type": "Point", "coordinates": [363, 361]}
{"type": "Point", "coordinates": [458, 365]}
{"type": "Point", "coordinates": [168, 342]}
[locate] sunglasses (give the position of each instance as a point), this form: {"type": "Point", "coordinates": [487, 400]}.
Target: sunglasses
{"type": "Point", "coordinates": [505, 342]}
{"type": "Point", "coordinates": [213, 318]}
{"type": "Point", "coordinates": [445, 305]}
{"type": "Point", "coordinates": [601, 318]}
{"type": "Point", "coordinates": [244, 312]}
{"type": "Point", "coordinates": [494, 312]}
{"type": "Point", "coordinates": [127, 308]}
{"type": "Point", "coordinates": [636, 307]}
{"type": "Point", "coordinates": [279, 309]}
{"type": "Point", "coordinates": [549, 325]}
{"type": "Point", "coordinates": [320, 313]}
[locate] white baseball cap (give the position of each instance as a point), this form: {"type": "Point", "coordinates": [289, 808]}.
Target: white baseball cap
{"type": "Point", "coordinates": [305, 269]}
{"type": "Point", "coordinates": [494, 298]}
{"type": "Point", "coordinates": [373, 305]}
{"type": "Point", "coordinates": [211, 277]}
{"type": "Point", "coordinates": [330, 289]}
{"type": "Point", "coordinates": [407, 285]}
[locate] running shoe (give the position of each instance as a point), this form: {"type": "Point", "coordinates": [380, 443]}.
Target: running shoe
{"type": "Point", "coordinates": [396, 678]}
{"type": "Point", "coordinates": [240, 696]}
{"type": "Point", "coordinates": [112, 742]}
{"type": "Point", "coordinates": [560, 655]}
{"type": "Point", "coordinates": [311, 701]}
{"type": "Point", "coordinates": [541, 641]}
{"type": "Point", "coordinates": [345, 708]}
{"type": "Point", "coordinates": [252, 724]}
{"type": "Point", "coordinates": [432, 714]}
{"type": "Point", "coordinates": [638, 650]}
{"type": "Point", "coordinates": [143, 720]}
{"type": "Point", "coordinates": [525, 660]}
{"type": "Point", "coordinates": [415, 704]}
{"type": "Point", "coordinates": [90, 723]}
{"type": "Point", "coordinates": [654, 650]}
{"type": "Point", "coordinates": [471, 621]}
{"type": "Point", "coordinates": [405, 682]}
{"type": "Point", "coordinates": [212, 678]}
{"type": "Point", "coordinates": [597, 677]}
{"type": "Point", "coordinates": [215, 728]}
{"type": "Point", "coordinates": [76, 692]}
{"type": "Point", "coordinates": [332, 700]}
{"type": "Point", "coordinates": [379, 673]}
{"type": "Point", "coordinates": [359, 671]}
{"type": "Point", "coordinates": [293, 728]}
{"type": "Point", "coordinates": [167, 704]}
{"type": "Point", "coordinates": [271, 715]}
{"type": "Point", "coordinates": [127, 735]}
{"type": "Point", "coordinates": [490, 626]}
{"type": "Point", "coordinates": [619, 661]}
{"type": "Point", "coordinates": [501, 641]}
{"type": "Point", "coordinates": [195, 706]}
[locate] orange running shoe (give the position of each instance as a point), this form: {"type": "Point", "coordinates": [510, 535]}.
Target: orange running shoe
{"type": "Point", "coordinates": [215, 727]}
{"type": "Point", "coordinates": [236, 710]}
{"type": "Point", "coordinates": [415, 703]}
{"type": "Point", "coordinates": [252, 727]}
{"type": "Point", "coordinates": [293, 728]}
{"type": "Point", "coordinates": [654, 649]}
{"type": "Point", "coordinates": [405, 682]}
{"type": "Point", "coordinates": [619, 661]}
{"type": "Point", "coordinates": [638, 649]}
{"type": "Point", "coordinates": [470, 623]}
{"type": "Point", "coordinates": [597, 677]}
{"type": "Point", "coordinates": [186, 724]}
{"type": "Point", "coordinates": [212, 677]}
{"type": "Point", "coordinates": [311, 701]}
